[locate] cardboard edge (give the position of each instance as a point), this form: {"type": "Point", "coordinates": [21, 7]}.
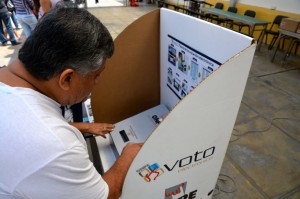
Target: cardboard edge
{"type": "Point", "coordinates": [132, 76]}
{"type": "Point", "coordinates": [153, 138]}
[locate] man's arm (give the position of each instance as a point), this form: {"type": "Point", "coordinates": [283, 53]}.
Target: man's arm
{"type": "Point", "coordinates": [93, 128]}
{"type": "Point", "coordinates": [115, 176]}
{"type": "Point", "coordinates": [46, 5]}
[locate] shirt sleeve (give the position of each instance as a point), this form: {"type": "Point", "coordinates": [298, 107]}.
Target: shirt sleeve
{"type": "Point", "coordinates": [70, 175]}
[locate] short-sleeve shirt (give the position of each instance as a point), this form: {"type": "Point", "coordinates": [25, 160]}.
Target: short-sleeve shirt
{"type": "Point", "coordinates": [41, 155]}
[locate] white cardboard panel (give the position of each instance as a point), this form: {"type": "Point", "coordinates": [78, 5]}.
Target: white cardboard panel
{"type": "Point", "coordinates": [183, 156]}
{"type": "Point", "coordinates": [211, 39]}
{"type": "Point", "coordinates": [205, 46]}
{"type": "Point", "coordinates": [202, 121]}
{"type": "Point", "coordinates": [192, 140]}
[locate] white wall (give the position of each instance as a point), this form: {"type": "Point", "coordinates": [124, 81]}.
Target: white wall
{"type": "Point", "coordinates": [291, 6]}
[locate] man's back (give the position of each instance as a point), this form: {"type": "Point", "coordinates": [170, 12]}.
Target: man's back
{"type": "Point", "coordinates": [41, 153]}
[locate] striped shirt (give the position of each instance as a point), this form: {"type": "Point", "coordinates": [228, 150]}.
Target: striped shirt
{"type": "Point", "coordinates": [22, 7]}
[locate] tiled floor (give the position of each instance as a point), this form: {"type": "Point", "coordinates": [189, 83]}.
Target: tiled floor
{"type": "Point", "coordinates": [263, 156]}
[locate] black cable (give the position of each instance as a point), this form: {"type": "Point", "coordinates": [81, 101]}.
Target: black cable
{"type": "Point", "coordinates": [224, 179]}
{"type": "Point", "coordinates": [283, 71]}
{"type": "Point", "coordinates": [259, 131]}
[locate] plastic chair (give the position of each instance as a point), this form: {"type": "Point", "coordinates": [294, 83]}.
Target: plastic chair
{"type": "Point", "coordinates": [249, 13]}
{"type": "Point", "coordinates": [211, 16]}
{"type": "Point", "coordinates": [274, 30]}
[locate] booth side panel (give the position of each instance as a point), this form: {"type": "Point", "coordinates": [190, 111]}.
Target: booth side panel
{"type": "Point", "coordinates": [184, 155]}
{"type": "Point", "coordinates": [191, 49]}
{"type": "Point", "coordinates": [130, 82]}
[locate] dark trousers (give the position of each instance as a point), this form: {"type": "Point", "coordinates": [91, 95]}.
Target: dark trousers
{"type": "Point", "coordinates": [6, 20]}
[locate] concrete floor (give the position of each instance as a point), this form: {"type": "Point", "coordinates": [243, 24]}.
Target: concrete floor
{"type": "Point", "coordinates": [263, 156]}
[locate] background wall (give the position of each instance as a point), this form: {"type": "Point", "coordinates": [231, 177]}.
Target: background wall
{"type": "Point", "coordinates": [288, 6]}
{"type": "Point", "coordinates": [292, 6]}
{"type": "Point", "coordinates": [265, 9]}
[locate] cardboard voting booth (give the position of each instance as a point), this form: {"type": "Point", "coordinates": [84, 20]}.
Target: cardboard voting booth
{"type": "Point", "coordinates": [176, 82]}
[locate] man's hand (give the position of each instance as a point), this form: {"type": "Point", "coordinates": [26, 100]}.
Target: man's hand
{"type": "Point", "coordinates": [131, 150]}
{"type": "Point", "coordinates": [115, 176]}
{"type": "Point", "coordinates": [94, 128]}
{"type": "Point", "coordinates": [100, 128]}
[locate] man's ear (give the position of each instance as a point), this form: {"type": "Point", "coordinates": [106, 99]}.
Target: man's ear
{"type": "Point", "coordinates": [65, 79]}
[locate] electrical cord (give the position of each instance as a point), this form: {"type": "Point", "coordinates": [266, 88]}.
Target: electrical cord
{"type": "Point", "coordinates": [239, 135]}
{"type": "Point", "coordinates": [222, 182]}
{"type": "Point", "coordinates": [225, 180]}
{"type": "Point", "coordinates": [219, 188]}
{"type": "Point", "coordinates": [268, 74]}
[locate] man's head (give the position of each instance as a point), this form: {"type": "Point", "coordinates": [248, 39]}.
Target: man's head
{"type": "Point", "coordinates": [67, 41]}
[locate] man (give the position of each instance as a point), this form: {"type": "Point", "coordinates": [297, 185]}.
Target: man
{"type": "Point", "coordinates": [25, 15]}
{"type": "Point", "coordinates": [41, 155]}
{"type": "Point", "coordinates": [5, 17]}
{"type": "Point", "coordinates": [11, 8]}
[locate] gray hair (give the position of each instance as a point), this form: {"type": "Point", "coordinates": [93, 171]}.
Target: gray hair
{"type": "Point", "coordinates": [66, 37]}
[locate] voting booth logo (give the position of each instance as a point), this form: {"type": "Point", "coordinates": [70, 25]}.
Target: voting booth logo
{"type": "Point", "coordinates": [150, 172]}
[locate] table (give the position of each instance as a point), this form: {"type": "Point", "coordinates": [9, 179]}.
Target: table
{"type": "Point", "coordinates": [195, 5]}
{"type": "Point", "coordinates": [191, 8]}
{"type": "Point", "coordinates": [284, 33]}
{"type": "Point", "coordinates": [252, 22]}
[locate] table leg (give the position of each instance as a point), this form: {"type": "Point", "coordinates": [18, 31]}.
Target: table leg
{"type": "Point", "coordinates": [261, 37]}
{"type": "Point", "coordinates": [251, 31]}
{"type": "Point", "coordinates": [276, 47]}
{"type": "Point", "coordinates": [289, 49]}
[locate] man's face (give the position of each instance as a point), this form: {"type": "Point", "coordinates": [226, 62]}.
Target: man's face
{"type": "Point", "coordinates": [85, 85]}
